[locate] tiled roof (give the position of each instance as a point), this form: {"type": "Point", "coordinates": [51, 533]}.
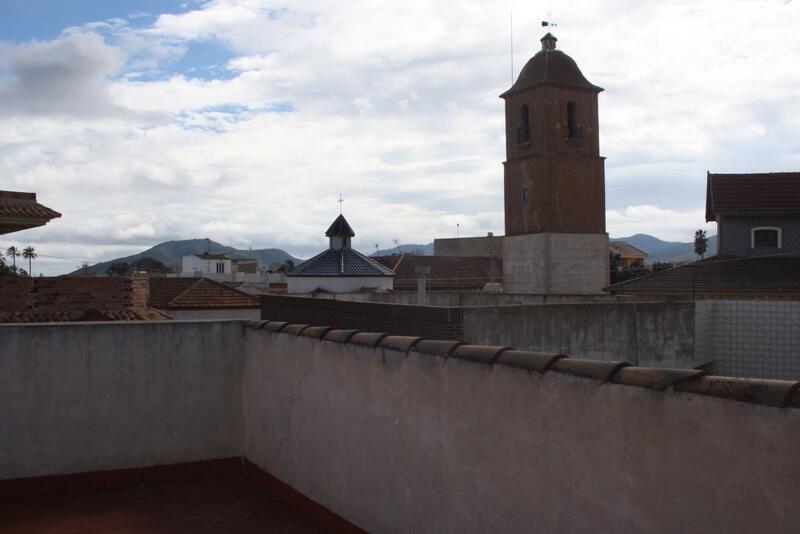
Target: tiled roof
{"type": "Point", "coordinates": [22, 211]}
{"type": "Point", "coordinates": [197, 293]}
{"type": "Point", "coordinates": [340, 262]}
{"type": "Point", "coordinates": [446, 272]}
{"type": "Point", "coordinates": [626, 250]}
{"type": "Point", "coordinates": [776, 193]}
{"type": "Point", "coordinates": [762, 275]}
{"type": "Point", "coordinates": [144, 314]}
{"type": "Point", "coordinates": [340, 227]}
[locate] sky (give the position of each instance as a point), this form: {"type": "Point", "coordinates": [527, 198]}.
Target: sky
{"type": "Point", "coordinates": [244, 120]}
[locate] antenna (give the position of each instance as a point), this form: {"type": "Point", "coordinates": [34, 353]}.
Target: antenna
{"type": "Point", "coordinates": [511, 27]}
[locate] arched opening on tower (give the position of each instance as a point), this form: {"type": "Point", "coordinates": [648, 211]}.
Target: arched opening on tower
{"type": "Point", "coordinates": [524, 130]}
{"type": "Point", "coordinates": [572, 120]}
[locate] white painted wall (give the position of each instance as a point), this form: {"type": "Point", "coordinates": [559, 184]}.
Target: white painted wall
{"type": "Point", "coordinates": [194, 265]}
{"type": "Point", "coordinates": [549, 263]}
{"type": "Point", "coordinates": [337, 284]}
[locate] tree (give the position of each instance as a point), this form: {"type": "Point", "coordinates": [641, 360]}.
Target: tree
{"type": "Point", "coordinates": [13, 253]}
{"type": "Point", "coordinates": [118, 269]}
{"type": "Point", "coordinates": [29, 253]}
{"type": "Point", "coordinates": [287, 266]}
{"type": "Point", "coordinates": [700, 243]}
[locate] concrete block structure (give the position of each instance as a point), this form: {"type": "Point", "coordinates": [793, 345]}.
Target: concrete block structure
{"type": "Point", "coordinates": [548, 263]}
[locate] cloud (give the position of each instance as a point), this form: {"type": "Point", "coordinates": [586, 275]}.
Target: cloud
{"type": "Point", "coordinates": [393, 105]}
{"type": "Point", "coordinates": [67, 76]}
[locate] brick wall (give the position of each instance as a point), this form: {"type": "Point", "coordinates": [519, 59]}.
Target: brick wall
{"type": "Point", "coordinates": [397, 319]}
{"type": "Point", "coordinates": [62, 294]}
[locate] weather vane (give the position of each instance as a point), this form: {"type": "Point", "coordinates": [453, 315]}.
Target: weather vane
{"type": "Point", "coordinates": [549, 21]}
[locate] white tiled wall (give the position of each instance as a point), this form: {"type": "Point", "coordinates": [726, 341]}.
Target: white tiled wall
{"type": "Point", "coordinates": [749, 338]}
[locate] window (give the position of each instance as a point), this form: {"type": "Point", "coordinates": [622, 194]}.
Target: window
{"type": "Point", "coordinates": [572, 120]}
{"type": "Point", "coordinates": [765, 237]}
{"type": "Point", "coordinates": [220, 268]}
{"type": "Point", "coordinates": [526, 196]}
{"type": "Point", "coordinates": [524, 130]}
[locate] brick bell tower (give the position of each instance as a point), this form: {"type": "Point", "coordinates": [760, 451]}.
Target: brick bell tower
{"type": "Point", "coordinates": [554, 180]}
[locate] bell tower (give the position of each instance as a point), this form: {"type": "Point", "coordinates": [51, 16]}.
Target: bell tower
{"type": "Point", "coordinates": [554, 180]}
{"type": "Point", "coordinates": [554, 175]}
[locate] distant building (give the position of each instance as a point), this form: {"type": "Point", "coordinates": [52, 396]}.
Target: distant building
{"type": "Point", "coordinates": [21, 211]}
{"type": "Point", "coordinates": [758, 229]}
{"type": "Point", "coordinates": [222, 268]}
{"type": "Point", "coordinates": [202, 298]}
{"type": "Point", "coordinates": [628, 254]}
{"type": "Point", "coordinates": [453, 273]}
{"type": "Point", "coordinates": [340, 269]}
{"type": "Point", "coordinates": [756, 214]}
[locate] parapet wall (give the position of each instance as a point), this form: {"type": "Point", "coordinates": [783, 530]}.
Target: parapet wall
{"type": "Point", "coordinates": [420, 441]}
{"type": "Point", "coordinates": [81, 397]}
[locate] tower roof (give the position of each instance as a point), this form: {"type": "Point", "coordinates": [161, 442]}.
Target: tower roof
{"type": "Point", "coordinates": [550, 66]}
{"type": "Point", "coordinates": [340, 228]}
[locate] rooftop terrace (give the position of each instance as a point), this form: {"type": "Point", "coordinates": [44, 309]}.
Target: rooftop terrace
{"type": "Point", "coordinates": [388, 433]}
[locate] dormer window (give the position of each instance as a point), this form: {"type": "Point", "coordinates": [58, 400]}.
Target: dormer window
{"type": "Point", "coordinates": [765, 237]}
{"type": "Point", "coordinates": [572, 120]}
{"type": "Point", "coordinates": [524, 130]}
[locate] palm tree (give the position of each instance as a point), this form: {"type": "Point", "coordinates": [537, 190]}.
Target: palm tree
{"type": "Point", "coordinates": [29, 254]}
{"type": "Point", "coordinates": [13, 253]}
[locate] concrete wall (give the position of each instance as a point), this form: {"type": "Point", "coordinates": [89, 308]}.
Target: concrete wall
{"type": "Point", "coordinates": [97, 396]}
{"type": "Point", "coordinates": [337, 284]}
{"type": "Point", "coordinates": [473, 298]}
{"type": "Point", "coordinates": [753, 338]}
{"type": "Point", "coordinates": [469, 246]}
{"type": "Point", "coordinates": [649, 334]}
{"type": "Point", "coordinates": [555, 263]}
{"type": "Point", "coordinates": [417, 443]}
{"type": "Point", "coordinates": [252, 314]}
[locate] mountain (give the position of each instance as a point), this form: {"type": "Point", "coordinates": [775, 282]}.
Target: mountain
{"type": "Point", "coordinates": [667, 251]}
{"type": "Point", "coordinates": [171, 252]}
{"type": "Point", "coordinates": [419, 250]}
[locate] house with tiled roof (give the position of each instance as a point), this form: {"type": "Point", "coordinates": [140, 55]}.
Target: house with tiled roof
{"type": "Point", "coordinates": [756, 214]}
{"type": "Point", "coordinates": [627, 254]}
{"type": "Point", "coordinates": [340, 268]}
{"type": "Point", "coordinates": [21, 211]}
{"type": "Point", "coordinates": [202, 298]}
{"type": "Point", "coordinates": [454, 273]}
{"type": "Point", "coordinates": [758, 256]}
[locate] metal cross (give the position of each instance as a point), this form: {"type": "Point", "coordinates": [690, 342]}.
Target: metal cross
{"type": "Point", "coordinates": [340, 203]}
